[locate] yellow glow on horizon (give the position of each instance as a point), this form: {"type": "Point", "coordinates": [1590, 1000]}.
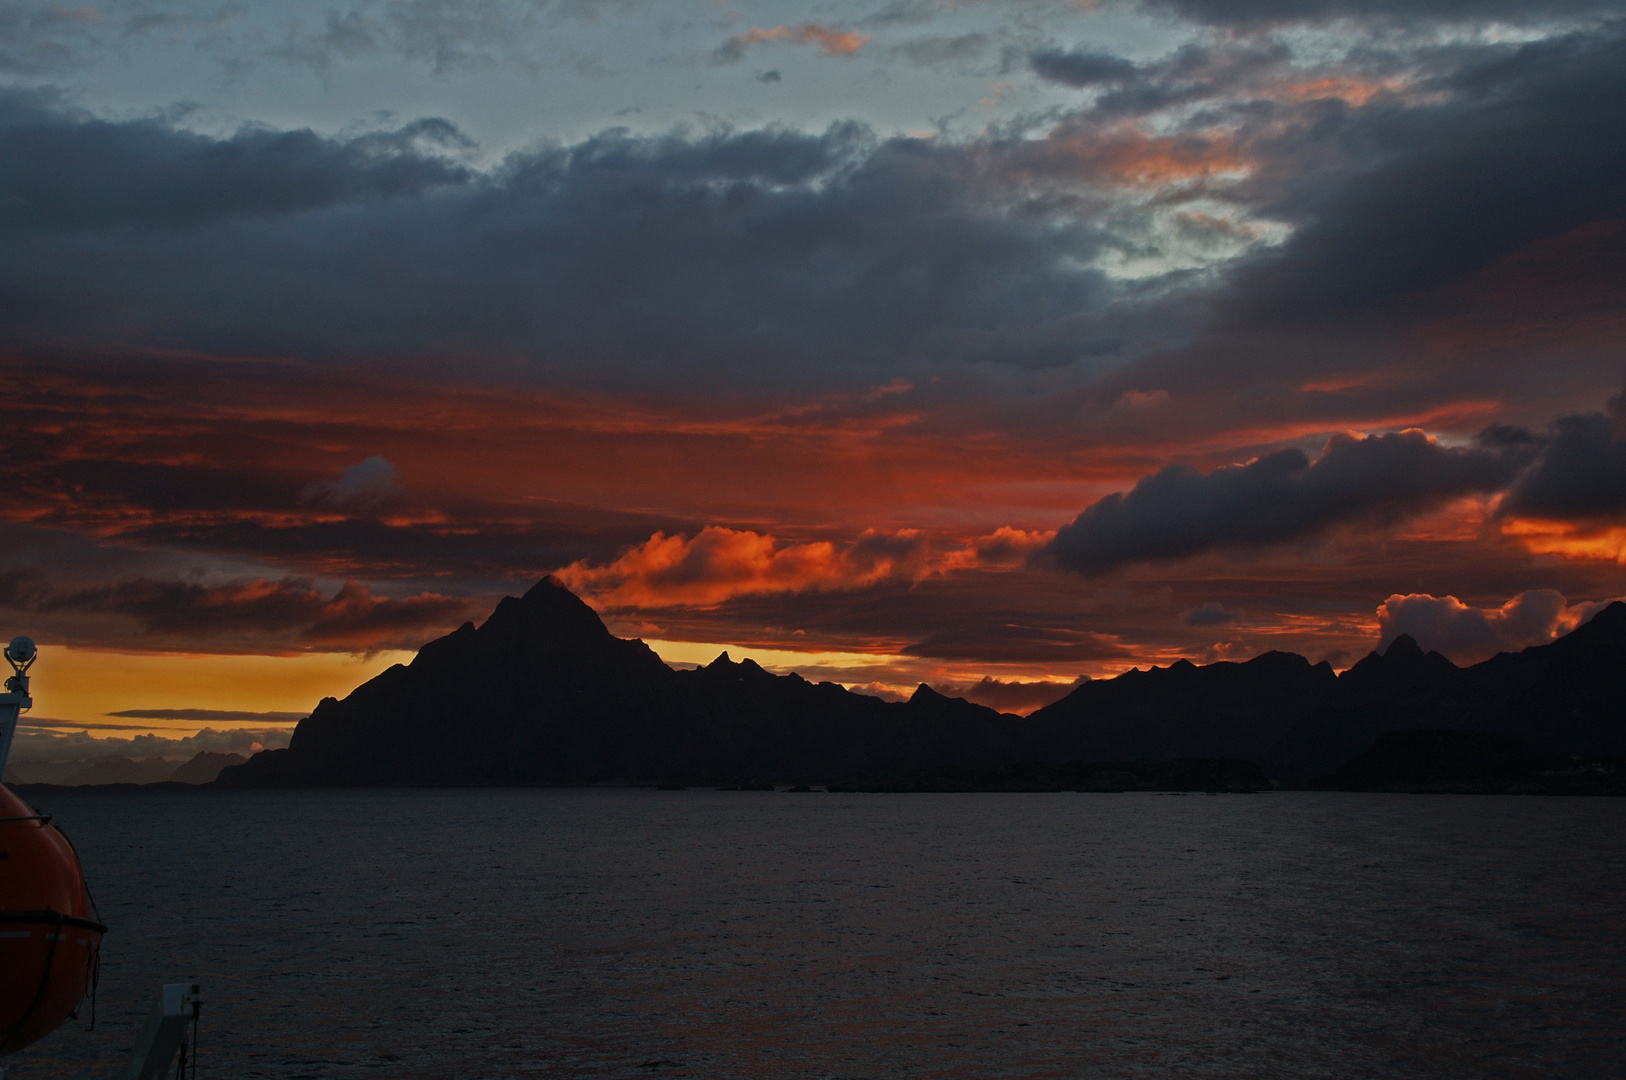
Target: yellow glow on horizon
{"type": "Point", "coordinates": [85, 685]}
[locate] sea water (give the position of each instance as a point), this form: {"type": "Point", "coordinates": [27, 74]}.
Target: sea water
{"type": "Point", "coordinates": [761, 935]}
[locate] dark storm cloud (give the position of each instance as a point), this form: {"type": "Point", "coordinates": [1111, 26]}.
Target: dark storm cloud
{"type": "Point", "coordinates": [1178, 512]}
{"type": "Point", "coordinates": [1399, 200]}
{"type": "Point", "coordinates": [757, 251]}
{"type": "Point", "coordinates": [783, 258]}
{"type": "Point", "coordinates": [64, 174]}
{"type": "Point", "coordinates": [1581, 473]}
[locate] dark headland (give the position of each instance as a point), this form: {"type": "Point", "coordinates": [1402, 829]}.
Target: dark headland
{"type": "Point", "coordinates": [543, 694]}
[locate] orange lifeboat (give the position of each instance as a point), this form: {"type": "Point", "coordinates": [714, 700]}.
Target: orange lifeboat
{"type": "Point", "coordinates": [49, 934]}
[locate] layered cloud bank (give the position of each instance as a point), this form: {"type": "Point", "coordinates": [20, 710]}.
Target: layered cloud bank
{"type": "Point", "coordinates": [1172, 329]}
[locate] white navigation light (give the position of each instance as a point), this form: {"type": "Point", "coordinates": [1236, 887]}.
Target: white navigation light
{"type": "Point", "coordinates": [21, 650]}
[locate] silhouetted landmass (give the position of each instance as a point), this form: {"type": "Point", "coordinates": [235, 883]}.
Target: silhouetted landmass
{"type": "Point", "coordinates": [204, 767]}
{"type": "Point", "coordinates": [542, 693]}
{"type": "Point", "coordinates": [1202, 774]}
{"type": "Point", "coordinates": [1471, 762]}
{"type": "Point", "coordinates": [1300, 721]}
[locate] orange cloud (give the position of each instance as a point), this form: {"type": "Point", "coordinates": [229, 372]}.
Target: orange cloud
{"type": "Point", "coordinates": [1569, 541]}
{"type": "Point", "coordinates": [1353, 91]}
{"type": "Point", "coordinates": [720, 563]}
{"type": "Point", "coordinates": [828, 40]}
{"type": "Point", "coordinates": [1128, 155]}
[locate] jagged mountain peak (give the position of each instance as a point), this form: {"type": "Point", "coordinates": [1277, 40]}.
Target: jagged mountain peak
{"type": "Point", "coordinates": [1402, 647]}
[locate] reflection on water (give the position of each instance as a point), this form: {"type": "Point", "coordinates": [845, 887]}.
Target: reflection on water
{"type": "Point", "coordinates": [766, 935]}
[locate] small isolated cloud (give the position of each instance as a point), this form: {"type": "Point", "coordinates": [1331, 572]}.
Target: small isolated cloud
{"type": "Point", "coordinates": [1081, 69]}
{"type": "Point", "coordinates": [361, 486]}
{"type": "Point", "coordinates": [1468, 634]}
{"type": "Point", "coordinates": [828, 40]}
{"type": "Point", "coordinates": [1380, 479]}
{"type": "Point", "coordinates": [1209, 615]}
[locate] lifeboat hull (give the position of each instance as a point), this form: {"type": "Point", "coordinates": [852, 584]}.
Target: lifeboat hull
{"type": "Point", "coordinates": [49, 935]}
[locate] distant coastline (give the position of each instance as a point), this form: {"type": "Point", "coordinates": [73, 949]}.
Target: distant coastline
{"type": "Point", "coordinates": [1409, 762]}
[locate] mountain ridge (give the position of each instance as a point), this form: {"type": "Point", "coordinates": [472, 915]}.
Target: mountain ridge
{"type": "Point", "coordinates": [542, 693]}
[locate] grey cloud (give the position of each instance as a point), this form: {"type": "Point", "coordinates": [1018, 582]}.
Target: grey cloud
{"type": "Point", "coordinates": [63, 172]}
{"type": "Point", "coordinates": [1581, 472]}
{"type": "Point", "coordinates": [1401, 198]}
{"type": "Point", "coordinates": [758, 253]}
{"type": "Point", "coordinates": [1209, 614]}
{"type": "Point", "coordinates": [781, 258]}
{"type": "Point", "coordinates": [1178, 512]}
{"type": "Point", "coordinates": [363, 485]}
{"type": "Point", "coordinates": [1081, 68]}
{"type": "Point", "coordinates": [1200, 73]}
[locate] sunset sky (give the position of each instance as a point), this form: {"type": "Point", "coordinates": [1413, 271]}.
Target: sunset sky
{"type": "Point", "coordinates": [985, 343]}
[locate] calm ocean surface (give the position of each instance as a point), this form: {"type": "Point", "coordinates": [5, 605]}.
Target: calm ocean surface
{"type": "Point", "coordinates": [486, 934]}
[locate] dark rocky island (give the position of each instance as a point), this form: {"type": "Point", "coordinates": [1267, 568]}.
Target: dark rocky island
{"type": "Point", "coordinates": [542, 693]}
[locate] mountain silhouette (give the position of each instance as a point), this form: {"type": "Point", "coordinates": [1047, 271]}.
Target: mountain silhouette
{"type": "Point", "coordinates": [543, 693]}
{"type": "Point", "coordinates": [1298, 721]}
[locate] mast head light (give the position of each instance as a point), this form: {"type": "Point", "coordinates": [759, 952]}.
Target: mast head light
{"type": "Point", "coordinates": [21, 653]}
